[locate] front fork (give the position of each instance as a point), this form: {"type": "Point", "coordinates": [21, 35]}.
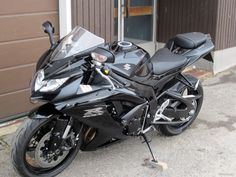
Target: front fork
{"type": "Point", "coordinates": [60, 134]}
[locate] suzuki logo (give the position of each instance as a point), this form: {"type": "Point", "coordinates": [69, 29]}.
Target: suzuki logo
{"type": "Point", "coordinates": [93, 112]}
{"type": "Point", "coordinates": [127, 66]}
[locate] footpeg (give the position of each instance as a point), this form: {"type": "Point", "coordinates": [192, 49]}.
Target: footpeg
{"type": "Point", "coordinates": [163, 106]}
{"type": "Point", "coordinates": [159, 114]}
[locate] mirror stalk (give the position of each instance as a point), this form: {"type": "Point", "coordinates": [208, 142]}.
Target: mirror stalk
{"type": "Point", "coordinates": [49, 29]}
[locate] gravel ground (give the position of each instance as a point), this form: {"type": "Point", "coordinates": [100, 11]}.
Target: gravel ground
{"type": "Point", "coordinates": [206, 149]}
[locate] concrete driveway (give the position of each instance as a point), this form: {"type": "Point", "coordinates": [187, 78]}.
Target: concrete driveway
{"type": "Point", "coordinates": [206, 149]}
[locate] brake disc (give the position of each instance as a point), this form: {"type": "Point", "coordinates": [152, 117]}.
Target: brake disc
{"type": "Point", "coordinates": [48, 159]}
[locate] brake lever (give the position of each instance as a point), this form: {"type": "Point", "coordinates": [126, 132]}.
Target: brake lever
{"type": "Point", "coordinates": [105, 77]}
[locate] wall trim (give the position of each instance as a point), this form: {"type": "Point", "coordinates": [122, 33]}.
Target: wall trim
{"type": "Point", "coordinates": [14, 117]}
{"type": "Point", "coordinates": [65, 17]}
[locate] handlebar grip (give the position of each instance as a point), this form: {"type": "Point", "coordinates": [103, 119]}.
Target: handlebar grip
{"type": "Point", "coordinates": [109, 72]}
{"type": "Point", "coordinates": [113, 75]}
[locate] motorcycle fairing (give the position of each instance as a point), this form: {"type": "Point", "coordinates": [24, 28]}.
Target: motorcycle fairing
{"type": "Point", "coordinates": [43, 112]}
{"type": "Point", "coordinates": [96, 116]}
{"type": "Point", "coordinates": [200, 52]}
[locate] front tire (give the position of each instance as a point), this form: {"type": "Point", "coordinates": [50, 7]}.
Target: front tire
{"type": "Point", "coordinates": [20, 144]}
{"type": "Point", "coordinates": [170, 130]}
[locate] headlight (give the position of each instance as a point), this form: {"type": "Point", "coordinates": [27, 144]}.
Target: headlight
{"type": "Point", "coordinates": [47, 85]}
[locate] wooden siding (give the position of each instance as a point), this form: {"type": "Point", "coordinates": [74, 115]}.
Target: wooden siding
{"type": "Point", "coordinates": [226, 24]}
{"type": "Point", "coordinates": [180, 16]}
{"type": "Point", "coordinates": [22, 41]}
{"type": "Point", "coordinates": [96, 16]}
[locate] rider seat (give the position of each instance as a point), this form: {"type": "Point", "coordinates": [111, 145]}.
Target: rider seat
{"type": "Point", "coordinates": [164, 61]}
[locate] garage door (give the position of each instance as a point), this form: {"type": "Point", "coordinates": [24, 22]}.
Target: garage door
{"type": "Point", "coordinates": [21, 43]}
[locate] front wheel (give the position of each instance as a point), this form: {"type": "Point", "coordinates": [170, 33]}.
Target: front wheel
{"type": "Point", "coordinates": [172, 130]}
{"type": "Point", "coordinates": [30, 154]}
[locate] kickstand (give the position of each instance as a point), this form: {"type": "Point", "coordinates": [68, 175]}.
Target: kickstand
{"type": "Point", "coordinates": [147, 142]}
{"type": "Point", "coordinates": [153, 163]}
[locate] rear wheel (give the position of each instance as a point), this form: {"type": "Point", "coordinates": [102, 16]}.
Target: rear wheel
{"type": "Point", "coordinates": [30, 154]}
{"type": "Point", "coordinates": [171, 130]}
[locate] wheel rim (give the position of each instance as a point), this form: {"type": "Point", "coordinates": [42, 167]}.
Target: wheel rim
{"type": "Point", "coordinates": [32, 154]}
{"type": "Point", "coordinates": [185, 92]}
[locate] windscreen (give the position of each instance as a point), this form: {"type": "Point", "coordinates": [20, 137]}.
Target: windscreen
{"type": "Point", "coordinates": [77, 41]}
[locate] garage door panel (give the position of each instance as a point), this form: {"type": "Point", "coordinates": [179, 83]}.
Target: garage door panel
{"type": "Point", "coordinates": [14, 79]}
{"type": "Point", "coordinates": [27, 6]}
{"type": "Point", "coordinates": [22, 52]}
{"type": "Point", "coordinates": [15, 103]}
{"type": "Point", "coordinates": [22, 42]}
{"type": "Point", "coordinates": [25, 26]}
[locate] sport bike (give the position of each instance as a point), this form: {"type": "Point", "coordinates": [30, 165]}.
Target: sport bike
{"type": "Point", "coordinates": [94, 94]}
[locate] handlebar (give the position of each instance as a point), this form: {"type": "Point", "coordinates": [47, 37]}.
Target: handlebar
{"type": "Point", "coordinates": [105, 77]}
{"type": "Point", "coordinates": [107, 71]}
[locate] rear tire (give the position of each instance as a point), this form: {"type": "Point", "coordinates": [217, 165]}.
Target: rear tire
{"type": "Point", "coordinates": [20, 143]}
{"type": "Point", "coordinates": [170, 130]}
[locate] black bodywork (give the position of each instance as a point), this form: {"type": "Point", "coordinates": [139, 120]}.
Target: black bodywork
{"type": "Point", "coordinates": [114, 114]}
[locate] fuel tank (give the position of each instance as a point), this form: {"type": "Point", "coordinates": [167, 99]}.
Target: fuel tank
{"type": "Point", "coordinates": [130, 60]}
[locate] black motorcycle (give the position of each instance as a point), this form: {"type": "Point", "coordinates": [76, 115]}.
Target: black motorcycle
{"type": "Point", "coordinates": [95, 94]}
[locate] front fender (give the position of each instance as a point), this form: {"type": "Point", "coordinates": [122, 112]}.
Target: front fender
{"type": "Point", "coordinates": [43, 112]}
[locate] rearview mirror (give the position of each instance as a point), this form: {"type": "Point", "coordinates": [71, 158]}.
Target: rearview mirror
{"type": "Point", "coordinates": [103, 55]}
{"type": "Point", "coordinates": [49, 29]}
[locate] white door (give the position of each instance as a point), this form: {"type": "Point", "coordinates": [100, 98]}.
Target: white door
{"type": "Point", "coordinates": [136, 22]}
